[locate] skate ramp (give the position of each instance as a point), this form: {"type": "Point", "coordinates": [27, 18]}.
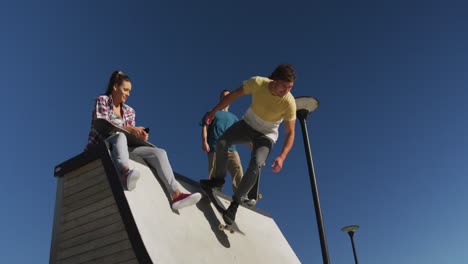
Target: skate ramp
{"type": "Point", "coordinates": [96, 221]}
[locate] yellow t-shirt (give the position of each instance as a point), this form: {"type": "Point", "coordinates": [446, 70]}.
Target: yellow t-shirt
{"type": "Point", "coordinates": [267, 106]}
{"type": "Point", "coordinates": [267, 111]}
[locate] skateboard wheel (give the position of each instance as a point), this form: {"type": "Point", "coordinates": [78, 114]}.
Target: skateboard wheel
{"type": "Point", "coordinates": [231, 231]}
{"type": "Point", "coordinates": [260, 196]}
{"type": "Point", "coordinates": [221, 227]}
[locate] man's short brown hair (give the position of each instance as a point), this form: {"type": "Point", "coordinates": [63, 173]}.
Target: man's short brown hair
{"type": "Point", "coordinates": [284, 72]}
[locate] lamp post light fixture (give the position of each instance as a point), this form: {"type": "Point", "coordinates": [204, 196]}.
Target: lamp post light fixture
{"type": "Point", "coordinates": [304, 106]}
{"type": "Point", "coordinates": [350, 230]}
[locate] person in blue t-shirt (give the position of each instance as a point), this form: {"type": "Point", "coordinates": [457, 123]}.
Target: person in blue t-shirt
{"type": "Point", "coordinates": [210, 135]}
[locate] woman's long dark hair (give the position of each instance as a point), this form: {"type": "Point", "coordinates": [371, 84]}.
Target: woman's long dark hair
{"type": "Point", "coordinates": [117, 78]}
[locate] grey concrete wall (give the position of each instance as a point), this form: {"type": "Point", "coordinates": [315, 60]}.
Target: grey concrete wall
{"type": "Point", "coordinates": [89, 227]}
{"type": "Point", "coordinates": [191, 235]}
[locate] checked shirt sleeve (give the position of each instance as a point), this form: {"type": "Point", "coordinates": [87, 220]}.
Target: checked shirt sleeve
{"type": "Point", "coordinates": [129, 116]}
{"type": "Point", "coordinates": [102, 109]}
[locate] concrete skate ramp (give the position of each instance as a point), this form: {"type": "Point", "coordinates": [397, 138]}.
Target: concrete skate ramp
{"type": "Point", "coordinates": [158, 234]}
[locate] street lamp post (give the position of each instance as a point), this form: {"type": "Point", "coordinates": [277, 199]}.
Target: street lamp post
{"type": "Point", "coordinates": [350, 230]}
{"type": "Point", "coordinates": [305, 105]}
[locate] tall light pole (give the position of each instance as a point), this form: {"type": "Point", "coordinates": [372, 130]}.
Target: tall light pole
{"type": "Point", "coordinates": [305, 105]}
{"type": "Point", "coordinates": [350, 230]}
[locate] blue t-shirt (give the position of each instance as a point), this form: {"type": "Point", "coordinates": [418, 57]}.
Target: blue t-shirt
{"type": "Point", "coordinates": [221, 122]}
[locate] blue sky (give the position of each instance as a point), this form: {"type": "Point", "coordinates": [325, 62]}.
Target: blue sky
{"type": "Point", "coordinates": [388, 140]}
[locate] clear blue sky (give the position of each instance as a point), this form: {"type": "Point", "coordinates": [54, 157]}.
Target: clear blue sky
{"type": "Point", "coordinates": [389, 138]}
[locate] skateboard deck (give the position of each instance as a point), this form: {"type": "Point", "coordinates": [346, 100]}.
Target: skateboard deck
{"type": "Point", "coordinates": [107, 128]}
{"type": "Point", "coordinates": [212, 195]}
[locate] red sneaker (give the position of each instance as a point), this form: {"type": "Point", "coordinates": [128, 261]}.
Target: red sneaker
{"type": "Point", "coordinates": [185, 199]}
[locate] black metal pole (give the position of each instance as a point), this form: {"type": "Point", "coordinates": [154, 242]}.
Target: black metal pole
{"type": "Point", "coordinates": [351, 235]}
{"type": "Point", "coordinates": [302, 115]}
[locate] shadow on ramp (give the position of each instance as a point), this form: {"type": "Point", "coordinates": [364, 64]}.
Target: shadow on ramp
{"type": "Point", "coordinates": [205, 207]}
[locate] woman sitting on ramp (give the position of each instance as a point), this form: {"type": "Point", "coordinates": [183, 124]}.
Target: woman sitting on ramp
{"type": "Point", "coordinates": [111, 106]}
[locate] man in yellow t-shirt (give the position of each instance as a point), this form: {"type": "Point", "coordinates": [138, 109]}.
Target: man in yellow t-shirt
{"type": "Point", "coordinates": [272, 103]}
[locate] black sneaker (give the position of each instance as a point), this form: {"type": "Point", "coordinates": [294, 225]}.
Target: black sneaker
{"type": "Point", "coordinates": [229, 215]}
{"type": "Point", "coordinates": [212, 184]}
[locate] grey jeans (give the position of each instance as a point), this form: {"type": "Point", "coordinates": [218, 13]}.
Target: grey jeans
{"type": "Point", "coordinates": [155, 157]}
{"type": "Point", "coordinates": [241, 133]}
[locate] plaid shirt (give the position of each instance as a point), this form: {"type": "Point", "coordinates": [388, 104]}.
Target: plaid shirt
{"type": "Point", "coordinates": [103, 109]}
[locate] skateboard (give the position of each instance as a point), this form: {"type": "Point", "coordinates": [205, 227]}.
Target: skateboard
{"type": "Point", "coordinates": [212, 195]}
{"type": "Point", "coordinates": [107, 128]}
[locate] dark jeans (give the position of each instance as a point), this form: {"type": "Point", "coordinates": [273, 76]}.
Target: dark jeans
{"type": "Point", "coordinates": [242, 133]}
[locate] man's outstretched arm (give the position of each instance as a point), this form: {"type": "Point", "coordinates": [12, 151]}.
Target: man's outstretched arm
{"type": "Point", "coordinates": [225, 101]}
{"type": "Point", "coordinates": [287, 146]}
